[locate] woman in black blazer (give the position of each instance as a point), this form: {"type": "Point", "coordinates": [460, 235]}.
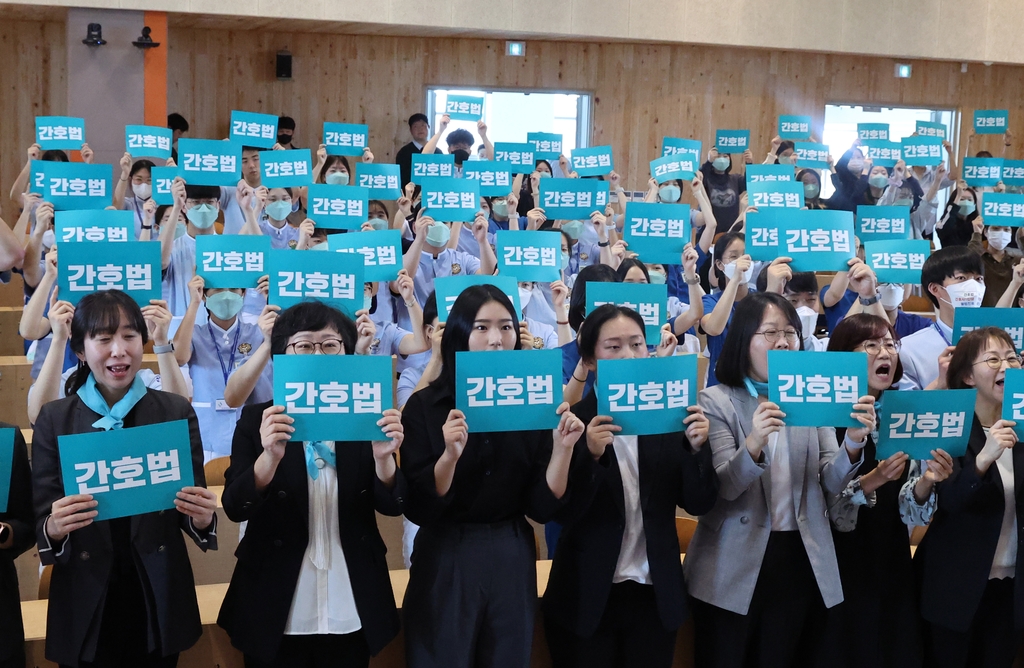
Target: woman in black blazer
{"type": "Point", "coordinates": [972, 588]}
{"type": "Point", "coordinates": [121, 592]}
{"type": "Point", "coordinates": [304, 592]}
{"type": "Point", "coordinates": [616, 595]}
{"type": "Point", "coordinates": [16, 536]}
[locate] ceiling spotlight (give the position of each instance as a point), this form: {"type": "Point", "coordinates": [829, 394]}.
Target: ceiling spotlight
{"type": "Point", "coordinates": [94, 35]}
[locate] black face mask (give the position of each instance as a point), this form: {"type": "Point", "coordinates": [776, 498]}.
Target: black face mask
{"type": "Point", "coordinates": [461, 156]}
{"type": "Point", "coordinates": [284, 139]}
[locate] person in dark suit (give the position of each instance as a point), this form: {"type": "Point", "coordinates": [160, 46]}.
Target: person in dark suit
{"type": "Point", "coordinates": [972, 590]}
{"type": "Point", "coordinates": [122, 591]}
{"type": "Point", "coordinates": [616, 595]}
{"type": "Point", "coordinates": [16, 536]}
{"type": "Point", "coordinates": [311, 586]}
{"type": "Point", "coordinates": [419, 128]}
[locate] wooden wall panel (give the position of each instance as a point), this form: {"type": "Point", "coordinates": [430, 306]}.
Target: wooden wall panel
{"type": "Point", "coordinates": [33, 82]}
{"type": "Point", "coordinates": [641, 91]}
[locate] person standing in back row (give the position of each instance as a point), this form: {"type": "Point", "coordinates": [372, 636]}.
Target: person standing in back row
{"type": "Point", "coordinates": [419, 128]}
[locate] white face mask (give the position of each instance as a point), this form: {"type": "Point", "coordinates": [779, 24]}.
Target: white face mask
{"type": "Point", "coordinates": [730, 271]}
{"type": "Point", "coordinates": [525, 295]}
{"type": "Point", "coordinates": [49, 238]}
{"type": "Point", "coordinates": [966, 295]}
{"type": "Point", "coordinates": [142, 190]}
{"type": "Point", "coordinates": [999, 240]}
{"type": "Point", "coordinates": [891, 295]}
{"type": "Point", "coordinates": [808, 321]}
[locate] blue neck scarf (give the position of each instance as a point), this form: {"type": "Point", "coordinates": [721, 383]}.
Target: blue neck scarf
{"type": "Point", "coordinates": [756, 387]}
{"type": "Point", "coordinates": [318, 450]}
{"type": "Point", "coordinates": [112, 416]}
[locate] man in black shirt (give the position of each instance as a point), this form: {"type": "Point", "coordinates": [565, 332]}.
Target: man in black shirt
{"type": "Point", "coordinates": [419, 128]}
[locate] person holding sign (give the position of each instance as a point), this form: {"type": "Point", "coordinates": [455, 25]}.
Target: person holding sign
{"type": "Point", "coordinates": [973, 538]}
{"type": "Point", "coordinates": [140, 177]}
{"type": "Point", "coordinates": [212, 353]}
{"type": "Point", "coordinates": [16, 536]}
{"type": "Point", "coordinates": [274, 221]}
{"type": "Point", "coordinates": [783, 152]}
{"type": "Point", "coordinates": [998, 263]}
{"type": "Point", "coordinates": [470, 492]}
{"type": "Point", "coordinates": [812, 189]}
{"type": "Point", "coordinates": [460, 142]}
{"type": "Point", "coordinates": [311, 585]}
{"type": "Point", "coordinates": [616, 595]}
{"type": "Point", "coordinates": [872, 542]}
{"type": "Point", "coordinates": [956, 225]}
{"type": "Point", "coordinates": [431, 256]}
{"type": "Point", "coordinates": [122, 591]}
{"type": "Point", "coordinates": [722, 186]}
{"type": "Point", "coordinates": [761, 566]}
{"type": "Point", "coordinates": [733, 269]}
{"type": "Point", "coordinates": [951, 278]}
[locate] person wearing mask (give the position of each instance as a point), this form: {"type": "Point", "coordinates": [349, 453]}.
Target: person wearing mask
{"type": "Point", "coordinates": [419, 128]}
{"type": "Point", "coordinates": [871, 539]}
{"type": "Point", "coordinates": [852, 291]}
{"type": "Point", "coordinates": [812, 189]}
{"type": "Point", "coordinates": [733, 269]}
{"type": "Point", "coordinates": [178, 126]}
{"type": "Point", "coordinates": [850, 179]}
{"type": "Point", "coordinates": [139, 176]}
{"type": "Point", "coordinates": [473, 536]}
{"type": "Point", "coordinates": [956, 225]}
{"type": "Point", "coordinates": [783, 152]}
{"type": "Point", "coordinates": [274, 221]}
{"type": "Point", "coordinates": [122, 591]}
{"type": "Point", "coordinates": [891, 296]}
{"type": "Point", "coordinates": [998, 263]}
{"type": "Point", "coordinates": [286, 132]}
{"type": "Point", "coordinates": [972, 540]}
{"type": "Point", "coordinates": [723, 187]}
{"type": "Point", "coordinates": [311, 586]}
{"type": "Point", "coordinates": [951, 278]}
{"type": "Point", "coordinates": [528, 192]}
{"type": "Point", "coordinates": [616, 594]}
{"type": "Point", "coordinates": [761, 568]}
{"type": "Point", "coordinates": [213, 351]}
{"type": "Point", "coordinates": [16, 536]}
{"type": "Point", "coordinates": [576, 378]}
{"type": "Point", "coordinates": [460, 142]}
{"type": "Point", "coordinates": [801, 290]}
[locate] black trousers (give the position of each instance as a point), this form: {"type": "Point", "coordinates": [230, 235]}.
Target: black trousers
{"type": "Point", "coordinates": [991, 642]}
{"type": "Point", "coordinates": [471, 597]}
{"type": "Point", "coordinates": [131, 661]}
{"type": "Point", "coordinates": [318, 651]}
{"type": "Point", "coordinates": [630, 634]}
{"type": "Point", "coordinates": [784, 623]}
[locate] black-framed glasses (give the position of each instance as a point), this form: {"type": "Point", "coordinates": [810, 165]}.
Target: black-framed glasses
{"type": "Point", "coordinates": [772, 335]}
{"type": "Point", "coordinates": [996, 363]}
{"type": "Point", "coordinates": [875, 347]}
{"type": "Point", "coordinates": [327, 347]}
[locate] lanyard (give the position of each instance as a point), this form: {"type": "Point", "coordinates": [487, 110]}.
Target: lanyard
{"type": "Point", "coordinates": [226, 370]}
{"type": "Point", "coordinates": [941, 333]}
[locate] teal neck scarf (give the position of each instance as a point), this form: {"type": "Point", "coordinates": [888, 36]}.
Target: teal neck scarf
{"type": "Point", "coordinates": [318, 450]}
{"type": "Point", "coordinates": [112, 416]}
{"type": "Point", "coordinates": [756, 387]}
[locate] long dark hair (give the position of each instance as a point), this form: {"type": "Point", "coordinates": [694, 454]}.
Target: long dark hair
{"type": "Point", "coordinates": [722, 245]}
{"type": "Point", "coordinates": [595, 273]}
{"type": "Point", "coordinates": [459, 326]}
{"type": "Point", "coordinates": [733, 364]}
{"type": "Point", "coordinates": [100, 313]}
{"type": "Point", "coordinates": [331, 161]}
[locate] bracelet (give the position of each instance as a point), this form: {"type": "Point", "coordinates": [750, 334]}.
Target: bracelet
{"type": "Point", "coordinates": [579, 380]}
{"type": "Point", "coordinates": [602, 244]}
{"type": "Point", "coordinates": [695, 281]}
{"type": "Point", "coordinates": [561, 322]}
{"type": "Point", "coordinates": [408, 305]}
{"type": "Point", "coordinates": [868, 301]}
{"type": "Point", "coordinates": [147, 227]}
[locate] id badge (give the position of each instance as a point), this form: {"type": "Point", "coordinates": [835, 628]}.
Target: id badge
{"type": "Point", "coordinates": [222, 405]}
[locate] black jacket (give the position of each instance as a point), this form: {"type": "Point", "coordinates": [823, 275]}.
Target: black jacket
{"type": "Point", "coordinates": [404, 161]}
{"type": "Point", "coordinates": [82, 564]}
{"type": "Point", "coordinates": [19, 516]}
{"type": "Point", "coordinates": [671, 475]}
{"type": "Point", "coordinates": [256, 606]}
{"type": "Point", "coordinates": [955, 555]}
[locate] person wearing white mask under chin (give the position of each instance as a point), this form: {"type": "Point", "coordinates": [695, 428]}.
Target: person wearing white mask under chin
{"type": "Point", "coordinates": [429, 256]}
{"type": "Point", "coordinates": [534, 332]}
{"type": "Point", "coordinates": [998, 263]}
{"type": "Point", "coordinates": [733, 269]}
{"type": "Point", "coordinates": [952, 278]}
{"type": "Point", "coordinates": [890, 296]}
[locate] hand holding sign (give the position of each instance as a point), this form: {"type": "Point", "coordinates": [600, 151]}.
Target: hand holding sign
{"type": "Point", "coordinates": [70, 513]}
{"type": "Point", "coordinates": [1001, 437]}
{"type": "Point", "coordinates": [275, 431]}
{"type": "Point", "coordinates": [391, 425]}
{"type": "Point", "coordinates": [767, 420]}
{"type": "Point", "coordinates": [697, 427]}
{"type": "Point", "coordinates": [568, 431]}
{"type": "Point", "coordinates": [198, 503]}
{"type": "Point", "coordinates": [456, 433]}
{"type": "Point", "coordinates": [863, 412]}
{"type": "Point", "coordinates": [600, 434]}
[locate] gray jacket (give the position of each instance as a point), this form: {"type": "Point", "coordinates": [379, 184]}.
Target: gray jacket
{"type": "Point", "coordinates": [725, 555]}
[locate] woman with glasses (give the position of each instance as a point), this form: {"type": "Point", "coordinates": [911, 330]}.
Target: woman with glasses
{"type": "Point", "coordinates": [872, 541]}
{"type": "Point", "coordinates": [311, 585]}
{"type": "Point", "coordinates": [972, 601]}
{"type": "Point", "coordinates": [761, 567]}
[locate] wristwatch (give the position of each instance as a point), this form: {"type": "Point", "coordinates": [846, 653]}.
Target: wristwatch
{"type": "Point", "coordinates": [868, 301]}
{"type": "Point", "coordinates": [602, 244]}
{"type": "Point", "coordinates": [160, 350]}
{"type": "Point", "coordinates": [695, 281]}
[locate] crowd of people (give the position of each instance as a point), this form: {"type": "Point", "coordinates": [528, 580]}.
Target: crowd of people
{"type": "Point", "coordinates": [802, 550]}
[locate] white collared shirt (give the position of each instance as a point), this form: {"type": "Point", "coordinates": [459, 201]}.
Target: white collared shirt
{"type": "Point", "coordinates": [1004, 563]}
{"type": "Point", "coordinates": [632, 563]}
{"type": "Point", "coordinates": [920, 355]}
{"type": "Point", "coordinates": [323, 601]}
{"type": "Point", "coordinates": [783, 512]}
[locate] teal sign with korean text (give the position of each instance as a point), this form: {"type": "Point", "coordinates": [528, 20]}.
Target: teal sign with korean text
{"type": "Point", "coordinates": [338, 207]}
{"type": "Point", "coordinates": [208, 162]}
{"type": "Point", "coordinates": [915, 423]}
{"type": "Point", "coordinates": [148, 141]}
{"type": "Point", "coordinates": [1010, 320]}
{"type": "Point", "coordinates": [657, 232]}
{"type": "Point", "coordinates": [450, 200]}
{"type": "Point", "coordinates": [508, 390]}
{"type": "Point", "coordinates": [647, 395]}
{"type": "Point", "coordinates": [333, 278]}
{"type": "Point", "coordinates": [132, 267]}
{"type": "Point", "coordinates": [231, 260]}
{"type": "Point", "coordinates": [346, 138]}
{"type": "Point", "coordinates": [250, 129]}
{"type": "Point", "coordinates": [572, 199]}
{"type": "Point", "coordinates": [529, 256]}
{"type": "Point", "coordinates": [448, 288]}
{"type": "Point", "coordinates": [64, 133]}
{"type": "Point", "coordinates": [94, 225]}
{"type": "Point", "coordinates": [897, 260]}
{"type": "Point", "coordinates": [816, 389]}
{"type": "Point", "coordinates": [73, 185]}
{"type": "Point", "coordinates": [381, 251]}
{"type": "Point", "coordinates": [650, 301]}
{"type": "Point", "coordinates": [286, 169]}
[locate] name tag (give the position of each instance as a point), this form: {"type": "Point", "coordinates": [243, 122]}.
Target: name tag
{"type": "Point", "coordinates": [222, 405]}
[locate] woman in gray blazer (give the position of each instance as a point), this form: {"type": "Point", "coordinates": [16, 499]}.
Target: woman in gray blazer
{"type": "Point", "coordinates": [761, 567]}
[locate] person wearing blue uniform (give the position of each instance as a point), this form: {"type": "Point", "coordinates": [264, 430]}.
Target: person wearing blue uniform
{"type": "Point", "coordinates": [213, 351]}
{"type": "Point", "coordinates": [429, 256]}
{"type": "Point", "coordinates": [390, 339]}
{"type": "Point", "coordinates": [732, 268]}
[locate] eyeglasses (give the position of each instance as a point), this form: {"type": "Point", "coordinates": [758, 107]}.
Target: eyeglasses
{"type": "Point", "coordinates": [327, 347]}
{"type": "Point", "coordinates": [996, 363]}
{"type": "Point", "coordinates": [772, 335]}
{"type": "Point", "coordinates": [874, 347]}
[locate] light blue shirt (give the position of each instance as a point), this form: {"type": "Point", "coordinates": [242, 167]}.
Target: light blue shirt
{"type": "Point", "coordinates": [447, 263]}
{"type": "Point", "coordinates": [178, 273]}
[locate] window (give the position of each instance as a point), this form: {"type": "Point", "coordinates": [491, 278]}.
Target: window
{"type": "Point", "coordinates": [841, 129]}
{"type": "Point", "coordinates": [510, 115]}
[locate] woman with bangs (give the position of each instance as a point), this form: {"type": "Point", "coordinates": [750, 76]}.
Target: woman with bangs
{"type": "Point", "coordinates": [972, 601]}
{"type": "Point", "coordinates": [871, 538]}
{"type": "Point", "coordinates": [472, 586]}
{"type": "Point", "coordinates": [122, 591]}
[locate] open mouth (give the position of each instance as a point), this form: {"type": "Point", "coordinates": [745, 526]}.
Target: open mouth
{"type": "Point", "coordinates": [118, 371]}
{"type": "Point", "coordinates": [1000, 382]}
{"type": "Point", "coordinates": [883, 370]}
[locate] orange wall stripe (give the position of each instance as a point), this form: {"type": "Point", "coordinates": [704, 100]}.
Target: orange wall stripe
{"type": "Point", "coordinates": [155, 70]}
